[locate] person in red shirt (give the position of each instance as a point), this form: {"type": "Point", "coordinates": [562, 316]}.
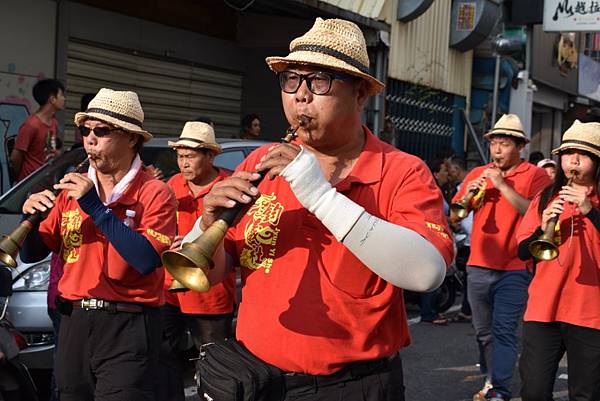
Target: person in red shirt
{"type": "Point", "coordinates": [109, 226]}
{"type": "Point", "coordinates": [563, 310]}
{"type": "Point", "coordinates": [497, 278]}
{"type": "Point", "coordinates": [343, 222]}
{"type": "Point", "coordinates": [207, 315]}
{"type": "Point", "coordinates": [37, 136]}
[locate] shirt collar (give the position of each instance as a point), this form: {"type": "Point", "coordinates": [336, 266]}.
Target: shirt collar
{"type": "Point", "coordinates": [122, 185]}
{"type": "Point", "coordinates": [369, 165]}
{"type": "Point", "coordinates": [220, 176]}
{"type": "Point", "coordinates": [522, 167]}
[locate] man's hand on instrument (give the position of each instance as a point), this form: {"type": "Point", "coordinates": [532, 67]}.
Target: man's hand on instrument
{"type": "Point", "coordinates": [75, 184]}
{"type": "Point", "coordinates": [40, 201]}
{"type": "Point", "coordinates": [225, 194]}
{"type": "Point", "coordinates": [495, 176]}
{"type": "Point", "coordinates": [554, 210]}
{"type": "Point", "coordinates": [577, 196]}
{"type": "Point", "coordinates": [474, 185]}
{"type": "Point", "coordinates": [176, 244]}
{"type": "Point", "coordinates": [277, 158]}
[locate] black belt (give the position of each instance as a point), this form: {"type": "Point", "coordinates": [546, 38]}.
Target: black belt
{"type": "Point", "coordinates": [352, 371]}
{"type": "Point", "coordinates": [109, 306]}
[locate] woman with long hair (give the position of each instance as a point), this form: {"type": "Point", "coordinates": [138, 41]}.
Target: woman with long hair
{"type": "Point", "coordinates": [563, 310]}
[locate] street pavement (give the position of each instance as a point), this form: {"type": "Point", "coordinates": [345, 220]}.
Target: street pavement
{"type": "Point", "coordinates": [440, 364]}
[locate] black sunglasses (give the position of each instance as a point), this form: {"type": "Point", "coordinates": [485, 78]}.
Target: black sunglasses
{"type": "Point", "coordinates": [98, 131]}
{"type": "Point", "coordinates": [318, 82]}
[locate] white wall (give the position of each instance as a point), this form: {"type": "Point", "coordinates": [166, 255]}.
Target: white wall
{"type": "Point", "coordinates": [27, 54]}
{"type": "Point", "coordinates": [27, 51]}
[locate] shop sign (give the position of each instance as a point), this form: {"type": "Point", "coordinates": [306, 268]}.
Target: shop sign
{"type": "Point", "coordinates": [571, 15]}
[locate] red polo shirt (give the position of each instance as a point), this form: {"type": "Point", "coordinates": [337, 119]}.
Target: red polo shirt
{"type": "Point", "coordinates": [220, 298]}
{"type": "Point", "coordinates": [93, 268]}
{"type": "Point", "coordinates": [31, 140]}
{"type": "Point", "coordinates": [566, 289]}
{"type": "Point", "coordinates": [493, 239]}
{"type": "Point", "coordinates": [308, 304]}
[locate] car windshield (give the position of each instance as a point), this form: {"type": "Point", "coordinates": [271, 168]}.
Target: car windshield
{"type": "Point", "coordinates": [45, 177]}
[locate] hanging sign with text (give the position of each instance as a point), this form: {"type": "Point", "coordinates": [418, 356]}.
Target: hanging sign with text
{"type": "Point", "coordinates": [571, 15]}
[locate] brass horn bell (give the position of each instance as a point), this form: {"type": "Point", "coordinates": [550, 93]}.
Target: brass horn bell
{"type": "Point", "coordinates": [176, 286]}
{"type": "Point", "coordinates": [190, 264]}
{"type": "Point", "coordinates": [544, 247]}
{"type": "Point", "coordinates": [11, 243]}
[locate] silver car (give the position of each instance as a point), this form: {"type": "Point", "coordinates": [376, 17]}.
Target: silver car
{"type": "Point", "coordinates": [28, 304]}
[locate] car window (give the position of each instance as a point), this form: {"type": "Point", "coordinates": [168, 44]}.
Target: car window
{"type": "Point", "coordinates": [49, 174]}
{"type": "Point", "coordinates": [43, 178]}
{"type": "Point", "coordinates": [230, 158]}
{"type": "Point", "coordinates": [162, 158]}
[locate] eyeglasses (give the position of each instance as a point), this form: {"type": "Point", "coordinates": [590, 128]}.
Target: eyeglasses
{"type": "Point", "coordinates": [98, 131]}
{"type": "Point", "coordinates": [319, 83]}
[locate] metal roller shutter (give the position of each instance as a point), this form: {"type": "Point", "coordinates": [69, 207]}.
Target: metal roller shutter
{"type": "Point", "coordinates": [170, 92]}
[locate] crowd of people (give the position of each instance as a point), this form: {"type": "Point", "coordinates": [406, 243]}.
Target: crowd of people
{"type": "Point", "coordinates": [337, 223]}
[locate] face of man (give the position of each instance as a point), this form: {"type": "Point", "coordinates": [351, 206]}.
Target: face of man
{"type": "Point", "coordinates": [329, 115]}
{"type": "Point", "coordinates": [442, 175]}
{"type": "Point", "coordinates": [110, 151]}
{"type": "Point", "coordinates": [58, 101]}
{"type": "Point", "coordinates": [453, 172]}
{"type": "Point", "coordinates": [194, 164]}
{"type": "Point", "coordinates": [505, 152]}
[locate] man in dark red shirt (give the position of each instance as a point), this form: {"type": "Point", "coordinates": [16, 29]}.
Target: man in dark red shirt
{"type": "Point", "coordinates": [38, 135]}
{"type": "Point", "coordinates": [206, 315]}
{"type": "Point", "coordinates": [497, 278]}
{"type": "Point", "coordinates": [109, 226]}
{"type": "Point", "coordinates": [343, 222]}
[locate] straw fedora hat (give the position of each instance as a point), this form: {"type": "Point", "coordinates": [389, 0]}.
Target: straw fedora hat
{"type": "Point", "coordinates": [582, 136]}
{"type": "Point", "coordinates": [197, 135]}
{"type": "Point", "coordinates": [508, 124]}
{"type": "Point", "coordinates": [335, 44]}
{"type": "Point", "coordinates": [119, 108]}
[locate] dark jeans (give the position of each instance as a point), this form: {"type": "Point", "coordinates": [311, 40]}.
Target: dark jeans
{"type": "Point", "coordinates": [384, 384]}
{"type": "Point", "coordinates": [106, 356]}
{"type": "Point", "coordinates": [428, 306]}
{"type": "Point", "coordinates": [203, 329]}
{"type": "Point", "coordinates": [544, 344]}
{"type": "Point", "coordinates": [462, 255]}
{"type": "Point", "coordinates": [497, 301]}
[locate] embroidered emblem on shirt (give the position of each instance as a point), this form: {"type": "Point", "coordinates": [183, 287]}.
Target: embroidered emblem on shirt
{"type": "Point", "coordinates": [438, 229]}
{"type": "Point", "coordinates": [261, 232]}
{"type": "Point", "coordinates": [70, 230]}
{"type": "Point", "coordinates": [164, 239]}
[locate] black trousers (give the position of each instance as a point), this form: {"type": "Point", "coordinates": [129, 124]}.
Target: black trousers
{"type": "Point", "coordinates": [106, 356]}
{"type": "Point", "coordinates": [203, 328]}
{"type": "Point", "coordinates": [360, 382]}
{"type": "Point", "coordinates": [544, 344]}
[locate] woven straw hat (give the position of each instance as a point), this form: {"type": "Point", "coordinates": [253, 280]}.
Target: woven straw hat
{"type": "Point", "coordinates": [119, 108]}
{"type": "Point", "coordinates": [508, 124]}
{"type": "Point", "coordinates": [197, 135]}
{"type": "Point", "coordinates": [582, 136]}
{"type": "Point", "coordinates": [335, 44]}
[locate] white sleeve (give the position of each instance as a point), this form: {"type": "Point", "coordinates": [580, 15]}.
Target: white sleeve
{"type": "Point", "coordinates": [397, 254]}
